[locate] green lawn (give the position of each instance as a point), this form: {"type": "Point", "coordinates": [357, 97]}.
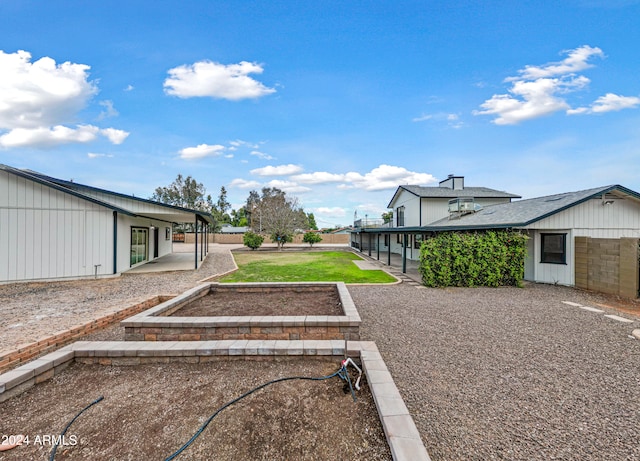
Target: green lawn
{"type": "Point", "coordinates": [313, 266]}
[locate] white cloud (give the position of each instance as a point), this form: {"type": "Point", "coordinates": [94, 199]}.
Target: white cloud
{"type": "Point", "coordinates": [37, 99]}
{"type": "Point", "coordinates": [115, 136]}
{"type": "Point", "coordinates": [319, 177]}
{"type": "Point", "coordinates": [41, 93]}
{"type": "Point", "coordinates": [48, 137]}
{"type": "Point", "coordinates": [288, 186]}
{"type": "Point", "coordinates": [241, 143]}
{"type": "Point", "coordinates": [452, 120]}
{"type": "Point", "coordinates": [129, 88]}
{"type": "Point", "coordinates": [387, 177]}
{"type": "Point", "coordinates": [244, 184]}
{"type": "Point", "coordinates": [541, 90]}
{"type": "Point", "coordinates": [608, 103]}
{"type": "Point", "coordinates": [109, 110]}
{"type": "Point", "coordinates": [280, 170]}
{"type": "Point", "coordinates": [94, 155]}
{"type": "Point", "coordinates": [330, 211]}
{"type": "Point", "coordinates": [201, 151]}
{"type": "Point", "coordinates": [261, 155]}
{"type": "Point", "coordinates": [576, 61]}
{"type": "Point", "coordinates": [207, 78]}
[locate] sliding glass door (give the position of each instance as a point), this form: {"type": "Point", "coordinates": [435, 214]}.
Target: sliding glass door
{"type": "Point", "coordinates": [139, 244]}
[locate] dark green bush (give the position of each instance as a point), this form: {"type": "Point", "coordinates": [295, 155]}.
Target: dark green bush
{"type": "Point", "coordinates": [311, 238]}
{"type": "Point", "coordinates": [252, 240]}
{"type": "Point", "coordinates": [467, 259]}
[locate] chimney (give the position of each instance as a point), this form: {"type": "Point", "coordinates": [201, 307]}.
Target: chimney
{"type": "Point", "coordinates": [453, 182]}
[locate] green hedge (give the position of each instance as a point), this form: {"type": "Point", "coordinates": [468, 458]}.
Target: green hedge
{"type": "Point", "coordinates": [490, 258]}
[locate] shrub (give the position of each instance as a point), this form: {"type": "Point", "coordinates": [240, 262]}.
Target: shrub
{"type": "Point", "coordinates": [490, 258]}
{"type": "Point", "coordinates": [281, 237]}
{"type": "Point", "coordinates": [252, 240]}
{"type": "Point", "coordinates": [311, 238]}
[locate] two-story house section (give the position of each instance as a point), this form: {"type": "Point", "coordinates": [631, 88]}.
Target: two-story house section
{"type": "Point", "coordinates": [415, 207]}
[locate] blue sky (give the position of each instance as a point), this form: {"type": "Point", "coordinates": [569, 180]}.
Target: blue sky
{"type": "Point", "coordinates": [335, 102]}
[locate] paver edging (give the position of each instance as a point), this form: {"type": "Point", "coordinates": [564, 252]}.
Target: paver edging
{"type": "Point", "coordinates": [398, 425]}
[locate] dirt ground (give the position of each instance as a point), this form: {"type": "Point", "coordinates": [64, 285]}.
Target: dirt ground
{"type": "Point", "coordinates": [150, 411]}
{"type": "Point", "coordinates": [282, 302]}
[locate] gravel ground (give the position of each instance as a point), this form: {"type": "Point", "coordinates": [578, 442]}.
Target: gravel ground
{"type": "Point", "coordinates": [509, 373]}
{"type": "Point", "coordinates": [30, 311]}
{"type": "Point", "coordinates": [503, 373]}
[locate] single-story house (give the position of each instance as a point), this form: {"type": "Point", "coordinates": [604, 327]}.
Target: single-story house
{"type": "Point", "coordinates": [229, 229]}
{"type": "Point", "coordinates": [587, 238]}
{"type": "Point", "coordinates": [56, 229]}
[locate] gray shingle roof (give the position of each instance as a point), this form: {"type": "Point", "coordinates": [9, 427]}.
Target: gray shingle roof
{"type": "Point", "coordinates": [448, 193]}
{"type": "Point", "coordinates": [445, 192]}
{"type": "Point", "coordinates": [523, 212]}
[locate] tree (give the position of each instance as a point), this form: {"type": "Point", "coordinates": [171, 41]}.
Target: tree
{"type": "Point", "coordinates": [387, 217]}
{"type": "Point", "coordinates": [277, 215]}
{"type": "Point", "coordinates": [239, 217]}
{"type": "Point", "coordinates": [311, 238]}
{"type": "Point", "coordinates": [252, 240]}
{"type": "Point", "coordinates": [250, 208]}
{"type": "Point", "coordinates": [185, 193]}
{"type": "Point", "coordinates": [219, 209]}
{"type": "Point", "coordinates": [312, 221]}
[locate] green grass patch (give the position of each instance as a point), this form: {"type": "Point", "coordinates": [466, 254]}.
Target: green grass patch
{"type": "Point", "coordinates": [314, 266]}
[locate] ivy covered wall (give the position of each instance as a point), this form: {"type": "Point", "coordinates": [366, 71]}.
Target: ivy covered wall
{"type": "Point", "coordinates": [467, 259]}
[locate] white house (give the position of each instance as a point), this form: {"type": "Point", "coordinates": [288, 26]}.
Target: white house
{"type": "Point", "coordinates": [556, 226]}
{"type": "Point", "coordinates": [417, 206]}
{"type": "Point", "coordinates": [55, 229]}
{"type": "Point", "coordinates": [553, 223]}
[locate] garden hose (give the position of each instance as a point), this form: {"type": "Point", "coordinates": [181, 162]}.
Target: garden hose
{"type": "Point", "coordinates": [64, 431]}
{"type": "Point", "coordinates": [342, 373]}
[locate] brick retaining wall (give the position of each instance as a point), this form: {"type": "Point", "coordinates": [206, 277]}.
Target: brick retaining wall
{"type": "Point", "coordinates": [25, 352]}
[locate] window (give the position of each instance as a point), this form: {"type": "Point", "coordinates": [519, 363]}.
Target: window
{"type": "Point", "coordinates": [167, 233]}
{"type": "Point", "coordinates": [417, 241]}
{"type": "Point", "coordinates": [554, 248]}
{"type": "Point", "coordinates": [139, 244]}
{"type": "Point", "coordinates": [400, 216]}
{"type": "Point", "coordinates": [386, 240]}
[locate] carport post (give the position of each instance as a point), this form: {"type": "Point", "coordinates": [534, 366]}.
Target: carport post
{"type": "Point", "coordinates": [378, 246]}
{"type": "Point", "coordinates": [196, 242]}
{"type": "Point", "coordinates": [369, 249]}
{"type": "Point", "coordinates": [389, 252]}
{"type": "Point", "coordinates": [404, 253]}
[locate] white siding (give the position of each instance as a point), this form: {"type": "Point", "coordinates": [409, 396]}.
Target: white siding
{"type": "Point", "coordinates": [561, 274]}
{"type": "Point", "coordinates": [592, 219]}
{"type": "Point", "coordinates": [48, 234]}
{"type": "Point", "coordinates": [434, 209]}
{"type": "Point", "coordinates": [411, 203]}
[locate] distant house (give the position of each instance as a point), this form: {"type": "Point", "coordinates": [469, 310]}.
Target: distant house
{"type": "Point", "coordinates": [587, 239]}
{"type": "Point", "coordinates": [56, 229]}
{"type": "Point", "coordinates": [229, 229]}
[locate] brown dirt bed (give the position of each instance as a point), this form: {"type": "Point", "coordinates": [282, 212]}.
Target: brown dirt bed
{"type": "Point", "coordinates": [149, 411]}
{"type": "Point", "coordinates": [282, 302]}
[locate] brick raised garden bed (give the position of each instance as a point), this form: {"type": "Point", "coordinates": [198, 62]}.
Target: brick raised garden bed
{"type": "Point", "coordinates": [165, 323]}
{"type": "Point", "coordinates": [154, 428]}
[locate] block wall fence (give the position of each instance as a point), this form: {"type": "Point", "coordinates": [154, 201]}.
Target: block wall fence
{"type": "Point", "coordinates": [607, 265]}
{"type": "Point", "coordinates": [330, 239]}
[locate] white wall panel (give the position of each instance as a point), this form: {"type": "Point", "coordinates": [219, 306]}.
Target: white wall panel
{"type": "Point", "coordinates": [48, 234]}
